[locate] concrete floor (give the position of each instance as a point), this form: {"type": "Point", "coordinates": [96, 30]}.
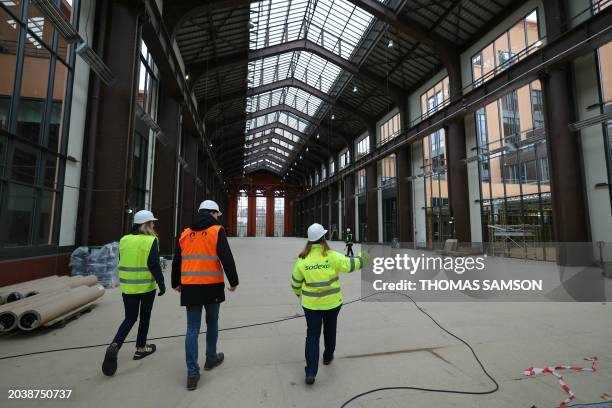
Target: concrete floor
{"type": "Point", "coordinates": [379, 344]}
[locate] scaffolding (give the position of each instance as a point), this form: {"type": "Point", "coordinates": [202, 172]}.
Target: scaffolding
{"type": "Point", "coordinates": [511, 240]}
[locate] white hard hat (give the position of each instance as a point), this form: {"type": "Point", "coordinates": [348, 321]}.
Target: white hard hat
{"type": "Point", "coordinates": [143, 216]}
{"type": "Point", "coordinates": [315, 232]}
{"type": "Point", "coordinates": [348, 230]}
{"type": "Point", "coordinates": [209, 205]}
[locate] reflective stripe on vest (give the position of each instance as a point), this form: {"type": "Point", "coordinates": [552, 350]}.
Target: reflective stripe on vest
{"type": "Point", "coordinates": [321, 284]}
{"type": "Point", "coordinates": [200, 264]}
{"type": "Point", "coordinates": [320, 294]}
{"type": "Point", "coordinates": [134, 274]}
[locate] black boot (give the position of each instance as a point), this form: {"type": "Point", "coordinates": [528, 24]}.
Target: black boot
{"type": "Point", "coordinates": [192, 381]}
{"type": "Point", "coordinates": [144, 351]}
{"type": "Point", "coordinates": [109, 366]}
{"type": "Point", "coordinates": [213, 361]}
{"type": "Point", "coordinates": [310, 380]}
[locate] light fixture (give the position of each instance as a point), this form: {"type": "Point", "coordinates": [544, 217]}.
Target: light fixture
{"type": "Point", "coordinates": [354, 88]}
{"type": "Point", "coordinates": [95, 63]}
{"type": "Point", "coordinates": [53, 13]}
{"type": "Point", "coordinates": [390, 44]}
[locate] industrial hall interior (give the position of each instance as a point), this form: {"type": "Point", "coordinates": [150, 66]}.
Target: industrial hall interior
{"type": "Point", "coordinates": [218, 202]}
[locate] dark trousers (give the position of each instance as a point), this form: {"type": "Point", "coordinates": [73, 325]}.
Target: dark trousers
{"type": "Point", "coordinates": [194, 322]}
{"type": "Point", "coordinates": [133, 304]}
{"type": "Point", "coordinates": [314, 320]}
{"type": "Point", "coordinates": [349, 250]}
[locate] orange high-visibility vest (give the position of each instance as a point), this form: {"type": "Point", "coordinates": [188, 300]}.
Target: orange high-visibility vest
{"type": "Point", "coordinates": [200, 264]}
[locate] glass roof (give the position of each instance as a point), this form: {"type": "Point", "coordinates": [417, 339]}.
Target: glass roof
{"type": "Point", "coordinates": [282, 117]}
{"type": "Point", "coordinates": [336, 25]}
{"type": "Point", "coordinates": [294, 97]}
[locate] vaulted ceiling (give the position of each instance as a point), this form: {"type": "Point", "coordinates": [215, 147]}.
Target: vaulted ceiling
{"type": "Point", "coordinates": [285, 84]}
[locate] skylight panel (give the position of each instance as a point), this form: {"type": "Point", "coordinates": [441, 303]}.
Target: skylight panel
{"type": "Point", "coordinates": [336, 25]}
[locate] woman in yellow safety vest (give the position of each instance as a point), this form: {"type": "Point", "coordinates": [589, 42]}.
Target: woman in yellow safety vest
{"type": "Point", "coordinates": [315, 279]}
{"type": "Point", "coordinates": [139, 275]}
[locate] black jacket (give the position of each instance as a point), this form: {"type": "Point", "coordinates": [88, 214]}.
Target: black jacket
{"type": "Point", "coordinates": [211, 293]}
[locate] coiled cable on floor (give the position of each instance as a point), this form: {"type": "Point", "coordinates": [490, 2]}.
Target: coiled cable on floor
{"type": "Point", "coordinates": [297, 316]}
{"type": "Point", "coordinates": [436, 390]}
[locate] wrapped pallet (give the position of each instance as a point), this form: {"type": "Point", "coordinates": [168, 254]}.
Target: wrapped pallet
{"type": "Point", "coordinates": [99, 261]}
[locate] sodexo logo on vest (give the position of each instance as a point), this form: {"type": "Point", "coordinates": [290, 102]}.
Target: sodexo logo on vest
{"type": "Point", "coordinates": [317, 266]}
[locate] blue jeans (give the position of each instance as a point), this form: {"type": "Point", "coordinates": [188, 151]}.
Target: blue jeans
{"type": "Point", "coordinates": [194, 321]}
{"type": "Point", "coordinates": [314, 320]}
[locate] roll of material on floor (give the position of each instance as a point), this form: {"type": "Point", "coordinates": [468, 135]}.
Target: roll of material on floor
{"type": "Point", "coordinates": [13, 292]}
{"type": "Point", "coordinates": [49, 285]}
{"type": "Point", "coordinates": [55, 307]}
{"type": "Point", "coordinates": [19, 291]}
{"type": "Point", "coordinates": [9, 312]}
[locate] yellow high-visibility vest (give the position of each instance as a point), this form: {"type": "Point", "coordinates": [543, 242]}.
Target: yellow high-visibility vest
{"type": "Point", "coordinates": [134, 274]}
{"type": "Point", "coordinates": [316, 278]}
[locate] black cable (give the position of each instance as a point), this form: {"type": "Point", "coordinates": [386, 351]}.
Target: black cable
{"type": "Point", "coordinates": [297, 316]}
{"type": "Point", "coordinates": [301, 315]}
{"type": "Point", "coordinates": [438, 390]}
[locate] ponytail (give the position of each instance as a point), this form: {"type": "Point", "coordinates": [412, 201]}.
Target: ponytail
{"type": "Point", "coordinates": [306, 251]}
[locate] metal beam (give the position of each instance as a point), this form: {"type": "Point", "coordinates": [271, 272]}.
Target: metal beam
{"type": "Point", "coordinates": [580, 40]}
{"type": "Point", "coordinates": [188, 11]}
{"type": "Point", "coordinates": [299, 114]}
{"type": "Point", "coordinates": [306, 45]}
{"type": "Point", "coordinates": [280, 108]}
{"type": "Point", "coordinates": [296, 83]}
{"type": "Point", "coordinates": [273, 159]}
{"type": "Point", "coordinates": [285, 161]}
{"type": "Point", "coordinates": [293, 83]}
{"type": "Point", "coordinates": [445, 50]}
{"type": "Point", "coordinates": [277, 125]}
{"type": "Point", "coordinates": [160, 44]}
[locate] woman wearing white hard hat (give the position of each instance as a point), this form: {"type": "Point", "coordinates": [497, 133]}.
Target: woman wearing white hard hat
{"type": "Point", "coordinates": [315, 279]}
{"type": "Point", "coordinates": [139, 275]}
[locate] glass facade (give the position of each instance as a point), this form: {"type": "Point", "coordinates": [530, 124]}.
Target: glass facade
{"type": "Point", "coordinates": [390, 129]}
{"type": "Point", "coordinates": [360, 190]}
{"type": "Point", "coordinates": [387, 179]}
{"type": "Point", "coordinates": [144, 137]}
{"type": "Point", "coordinates": [435, 97]}
{"type": "Point", "coordinates": [604, 55]}
{"type": "Point", "coordinates": [35, 92]}
{"type": "Point", "coordinates": [243, 215]}
{"type": "Point", "coordinates": [344, 159]}
{"type": "Point", "coordinates": [260, 216]}
{"type": "Point", "coordinates": [437, 213]}
{"type": "Point", "coordinates": [279, 216]}
{"type": "Point", "coordinates": [363, 146]}
{"type": "Point", "coordinates": [522, 39]}
{"type": "Point", "coordinates": [514, 172]}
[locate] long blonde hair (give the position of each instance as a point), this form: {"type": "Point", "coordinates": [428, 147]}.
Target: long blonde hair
{"type": "Point", "coordinates": [309, 245]}
{"type": "Point", "coordinates": [147, 229]}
